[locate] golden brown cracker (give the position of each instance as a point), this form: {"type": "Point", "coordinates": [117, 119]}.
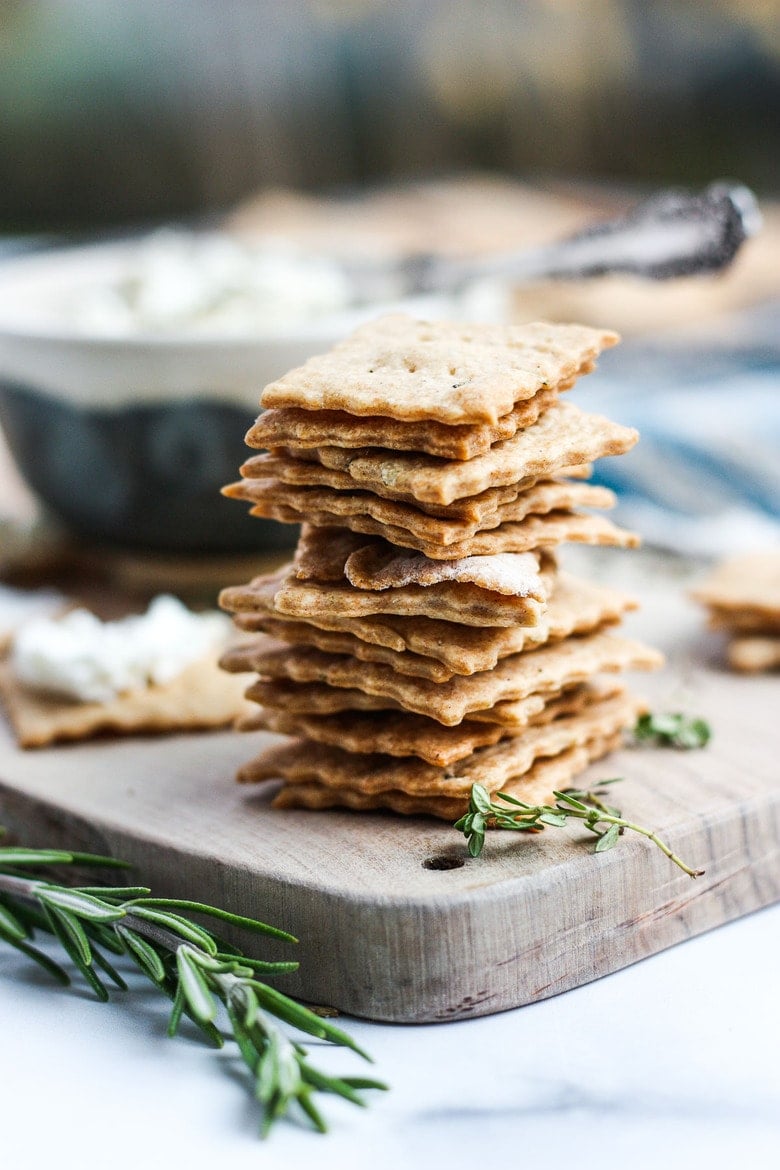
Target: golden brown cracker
{"type": "Point", "coordinates": [201, 697]}
{"type": "Point", "coordinates": [448, 601]}
{"type": "Point", "coordinates": [262, 472]}
{"type": "Point", "coordinates": [302, 430]}
{"type": "Point", "coordinates": [574, 607]}
{"type": "Point", "coordinates": [358, 511]}
{"type": "Point", "coordinates": [393, 733]}
{"type": "Point", "coordinates": [344, 642]}
{"type": "Point", "coordinates": [563, 436]}
{"type": "Point", "coordinates": [754, 655]}
{"type": "Point", "coordinates": [445, 371]}
{"type": "Point", "coordinates": [382, 566]}
{"type": "Point", "coordinates": [322, 554]}
{"type": "Point", "coordinates": [747, 586]}
{"type": "Point", "coordinates": [492, 766]}
{"type": "Point", "coordinates": [533, 534]}
{"type": "Point", "coordinates": [743, 621]}
{"type": "Point", "coordinates": [333, 490]}
{"type": "Point", "coordinates": [399, 733]}
{"type": "Point", "coordinates": [535, 787]}
{"type": "Point", "coordinates": [548, 669]}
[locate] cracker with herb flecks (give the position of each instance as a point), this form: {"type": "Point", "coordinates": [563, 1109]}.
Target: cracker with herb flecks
{"type": "Point", "coordinates": [444, 371]}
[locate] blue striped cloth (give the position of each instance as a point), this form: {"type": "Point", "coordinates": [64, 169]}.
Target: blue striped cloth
{"type": "Point", "coordinates": [705, 476]}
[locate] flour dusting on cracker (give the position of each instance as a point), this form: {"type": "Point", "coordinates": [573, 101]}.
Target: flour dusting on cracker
{"type": "Point", "coordinates": [514, 574]}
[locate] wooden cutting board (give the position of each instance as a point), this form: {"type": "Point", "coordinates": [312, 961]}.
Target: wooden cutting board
{"type": "Point", "coordinates": [395, 921]}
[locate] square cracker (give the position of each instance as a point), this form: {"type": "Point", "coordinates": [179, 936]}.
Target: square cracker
{"type": "Point", "coordinates": [449, 372]}
{"type": "Point", "coordinates": [756, 654]}
{"type": "Point", "coordinates": [357, 511]}
{"type": "Point", "coordinates": [531, 534]}
{"type": "Point", "coordinates": [451, 601]}
{"type": "Point", "coordinates": [397, 733]}
{"type": "Point", "coordinates": [302, 430]}
{"type": "Point", "coordinates": [574, 607]}
{"type": "Point", "coordinates": [546, 670]}
{"type": "Point", "coordinates": [492, 766]}
{"type": "Point", "coordinates": [201, 697]}
{"type": "Point", "coordinates": [745, 588]}
{"type": "Point", "coordinates": [484, 510]}
{"type": "Point", "coordinates": [536, 786]}
{"type": "Point", "coordinates": [563, 437]}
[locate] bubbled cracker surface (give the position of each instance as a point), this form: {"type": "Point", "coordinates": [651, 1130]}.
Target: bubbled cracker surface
{"type": "Point", "coordinates": [448, 372]}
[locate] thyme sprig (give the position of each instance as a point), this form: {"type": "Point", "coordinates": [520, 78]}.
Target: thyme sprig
{"type": "Point", "coordinates": [507, 812]}
{"type": "Point", "coordinates": [672, 730]}
{"type": "Point", "coordinates": [190, 964]}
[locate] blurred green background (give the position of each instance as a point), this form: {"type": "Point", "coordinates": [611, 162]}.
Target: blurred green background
{"type": "Point", "coordinates": [117, 112]}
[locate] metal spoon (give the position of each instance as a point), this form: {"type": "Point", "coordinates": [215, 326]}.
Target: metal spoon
{"type": "Point", "coordinates": [670, 234]}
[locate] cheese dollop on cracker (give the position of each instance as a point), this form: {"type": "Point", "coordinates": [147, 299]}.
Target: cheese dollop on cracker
{"type": "Point", "coordinates": [82, 658]}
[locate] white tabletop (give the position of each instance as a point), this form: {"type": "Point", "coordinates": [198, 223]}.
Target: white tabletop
{"type": "Point", "coordinates": [670, 1063]}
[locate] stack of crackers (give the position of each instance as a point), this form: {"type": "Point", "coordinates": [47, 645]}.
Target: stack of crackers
{"type": "Point", "coordinates": [743, 599]}
{"type": "Point", "coordinates": [423, 638]}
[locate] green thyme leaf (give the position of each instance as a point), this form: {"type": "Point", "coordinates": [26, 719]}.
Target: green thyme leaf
{"type": "Point", "coordinates": [608, 839]}
{"type": "Point", "coordinates": [672, 730]}
{"type": "Point", "coordinates": [586, 808]}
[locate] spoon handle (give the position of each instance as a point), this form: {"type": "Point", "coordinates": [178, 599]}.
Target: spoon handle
{"type": "Point", "coordinates": [670, 234]}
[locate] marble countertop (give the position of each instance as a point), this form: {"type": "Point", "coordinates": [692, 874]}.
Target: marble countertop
{"type": "Point", "coordinates": [670, 1062]}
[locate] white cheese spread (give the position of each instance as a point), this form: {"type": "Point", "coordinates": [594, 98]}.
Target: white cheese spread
{"type": "Point", "coordinates": [210, 283]}
{"type": "Point", "coordinates": [83, 658]}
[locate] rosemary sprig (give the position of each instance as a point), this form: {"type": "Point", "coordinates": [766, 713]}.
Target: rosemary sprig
{"type": "Point", "coordinates": [196, 969]}
{"type": "Point", "coordinates": [672, 730]}
{"type": "Point", "coordinates": [588, 807]}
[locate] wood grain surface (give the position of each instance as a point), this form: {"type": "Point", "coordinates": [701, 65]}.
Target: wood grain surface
{"type": "Point", "coordinates": [396, 922]}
